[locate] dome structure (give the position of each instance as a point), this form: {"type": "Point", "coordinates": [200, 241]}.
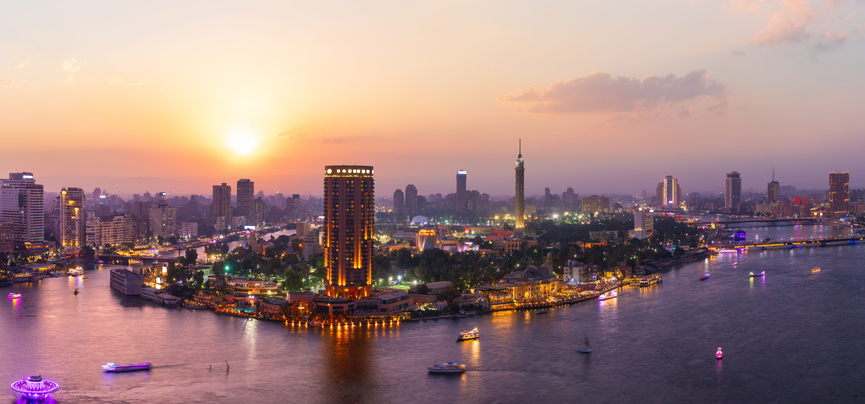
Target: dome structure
{"type": "Point", "coordinates": [419, 221]}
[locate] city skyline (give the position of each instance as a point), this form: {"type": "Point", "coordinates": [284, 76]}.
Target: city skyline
{"type": "Point", "coordinates": [138, 110]}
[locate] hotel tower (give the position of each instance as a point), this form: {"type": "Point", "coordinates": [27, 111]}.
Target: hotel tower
{"type": "Point", "coordinates": [349, 215]}
{"type": "Point", "coordinates": [521, 204]}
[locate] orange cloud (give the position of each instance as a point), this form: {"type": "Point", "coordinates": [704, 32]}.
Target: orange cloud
{"type": "Point", "coordinates": [788, 24]}
{"type": "Point", "coordinates": [601, 92]}
{"type": "Point", "coordinates": [831, 41]}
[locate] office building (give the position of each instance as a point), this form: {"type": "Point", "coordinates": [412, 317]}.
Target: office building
{"type": "Point", "coordinates": [21, 205]}
{"type": "Point", "coordinates": [411, 205]}
{"type": "Point", "coordinates": [773, 190]}
{"type": "Point", "coordinates": [733, 191]}
{"type": "Point", "coordinates": [398, 205]}
{"type": "Point", "coordinates": [349, 216]}
{"type": "Point", "coordinates": [72, 227]}
{"type": "Point", "coordinates": [222, 206]}
{"type": "Point", "coordinates": [246, 200]}
{"type": "Point", "coordinates": [462, 198]}
{"type": "Point", "coordinates": [595, 204]}
{"type": "Point", "coordinates": [644, 223]}
{"type": "Point", "coordinates": [163, 221]}
{"type": "Point", "coordinates": [839, 193]}
{"type": "Point", "coordinates": [670, 192]}
{"type": "Point", "coordinates": [520, 213]}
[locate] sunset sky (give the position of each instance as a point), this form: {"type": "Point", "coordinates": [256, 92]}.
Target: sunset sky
{"type": "Point", "coordinates": [608, 97]}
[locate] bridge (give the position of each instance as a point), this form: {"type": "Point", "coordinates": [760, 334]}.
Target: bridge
{"type": "Point", "coordinates": [124, 259]}
{"type": "Point", "coordinates": [803, 243]}
{"type": "Point", "coordinates": [763, 222]}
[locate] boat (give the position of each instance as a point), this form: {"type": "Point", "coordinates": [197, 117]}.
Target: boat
{"type": "Point", "coordinates": [447, 367]}
{"type": "Point", "coordinates": [14, 295]}
{"type": "Point", "coordinates": [461, 314]}
{"type": "Point", "coordinates": [735, 264]}
{"type": "Point", "coordinates": [542, 311]}
{"type": "Point", "coordinates": [587, 349]}
{"type": "Point", "coordinates": [76, 291]}
{"type": "Point", "coordinates": [315, 323]}
{"type": "Point", "coordinates": [719, 354]}
{"type": "Point", "coordinates": [607, 296]}
{"type": "Point", "coordinates": [111, 367]}
{"type": "Point", "coordinates": [35, 388]}
{"type": "Point", "coordinates": [75, 271]}
{"type": "Point", "coordinates": [815, 269]}
{"type": "Point", "coordinates": [467, 335]}
{"type": "Point", "coordinates": [728, 251]}
{"type": "Point", "coordinates": [753, 275]}
{"type": "Point", "coordinates": [649, 281]}
{"type": "Point", "coordinates": [704, 277]}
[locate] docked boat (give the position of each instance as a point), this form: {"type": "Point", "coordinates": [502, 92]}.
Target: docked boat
{"type": "Point", "coordinates": [111, 367]}
{"type": "Point", "coordinates": [447, 367]}
{"type": "Point", "coordinates": [608, 296]}
{"type": "Point", "coordinates": [461, 314]}
{"type": "Point", "coordinates": [757, 275]}
{"type": "Point", "coordinates": [649, 281]}
{"type": "Point", "coordinates": [728, 251]}
{"type": "Point", "coordinates": [704, 277]}
{"type": "Point", "coordinates": [315, 323]}
{"type": "Point", "coordinates": [14, 295]}
{"type": "Point", "coordinates": [815, 269]}
{"type": "Point", "coordinates": [542, 311]}
{"type": "Point", "coordinates": [75, 271]}
{"type": "Point", "coordinates": [127, 282]}
{"type": "Point", "coordinates": [467, 335]}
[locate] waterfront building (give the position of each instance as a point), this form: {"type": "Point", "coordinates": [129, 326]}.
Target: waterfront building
{"type": "Point", "coordinates": [21, 205]}
{"type": "Point", "coordinates": [349, 215]}
{"type": "Point", "coordinates": [72, 221]}
{"type": "Point", "coordinates": [163, 221]}
{"type": "Point", "coordinates": [839, 193]}
{"type": "Point", "coordinates": [127, 282]}
{"type": "Point", "coordinates": [411, 201]}
{"type": "Point", "coordinates": [462, 198]}
{"type": "Point", "coordinates": [733, 191]}
{"type": "Point", "coordinates": [520, 190]}
{"type": "Point", "coordinates": [222, 206]}
{"type": "Point", "coordinates": [245, 199]}
{"type": "Point", "coordinates": [773, 190]}
{"type": "Point", "coordinates": [398, 205]}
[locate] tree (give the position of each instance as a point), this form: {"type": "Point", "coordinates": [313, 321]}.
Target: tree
{"type": "Point", "coordinates": [191, 256]}
{"type": "Point", "coordinates": [423, 289]}
{"type": "Point", "coordinates": [293, 280]}
{"type": "Point", "coordinates": [88, 253]}
{"type": "Point", "coordinates": [199, 278]}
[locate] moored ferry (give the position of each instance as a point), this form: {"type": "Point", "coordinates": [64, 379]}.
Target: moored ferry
{"type": "Point", "coordinates": [75, 271]}
{"type": "Point", "coordinates": [111, 367]}
{"type": "Point", "coordinates": [647, 281]}
{"type": "Point", "coordinates": [159, 297]}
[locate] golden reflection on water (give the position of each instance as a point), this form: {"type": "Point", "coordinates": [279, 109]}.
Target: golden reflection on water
{"type": "Point", "coordinates": [347, 355]}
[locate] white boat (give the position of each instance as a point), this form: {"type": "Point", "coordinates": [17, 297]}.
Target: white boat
{"type": "Point", "coordinates": [14, 295]}
{"type": "Point", "coordinates": [75, 271]}
{"type": "Point", "coordinates": [447, 367]}
{"type": "Point", "coordinates": [467, 335]}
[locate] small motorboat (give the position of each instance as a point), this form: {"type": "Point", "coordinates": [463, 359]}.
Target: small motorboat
{"type": "Point", "coordinates": [447, 367]}
{"type": "Point", "coordinates": [467, 335]}
{"type": "Point", "coordinates": [735, 264]}
{"type": "Point", "coordinates": [757, 275]}
{"type": "Point", "coordinates": [111, 367]}
{"type": "Point", "coordinates": [542, 311]}
{"type": "Point", "coordinates": [704, 277]}
{"type": "Point", "coordinates": [14, 295]}
{"type": "Point", "coordinates": [76, 291]}
{"type": "Point", "coordinates": [815, 269]}
{"type": "Point", "coordinates": [719, 354]}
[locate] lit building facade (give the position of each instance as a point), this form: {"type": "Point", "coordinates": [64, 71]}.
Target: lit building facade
{"type": "Point", "coordinates": [733, 191]}
{"type": "Point", "coordinates": [349, 216]}
{"type": "Point", "coordinates": [222, 206]}
{"type": "Point", "coordinates": [671, 193]}
{"type": "Point", "coordinates": [520, 213]}
{"type": "Point", "coordinates": [426, 238]}
{"type": "Point", "coordinates": [163, 221]}
{"type": "Point", "coordinates": [839, 193]}
{"type": "Point", "coordinates": [21, 205]}
{"type": "Point", "coordinates": [72, 228]}
{"type": "Point", "coordinates": [644, 224]}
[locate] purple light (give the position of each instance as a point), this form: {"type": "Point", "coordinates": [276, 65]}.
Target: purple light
{"type": "Point", "coordinates": [35, 387]}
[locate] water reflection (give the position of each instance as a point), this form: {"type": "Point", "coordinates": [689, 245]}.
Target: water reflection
{"type": "Point", "coordinates": [349, 368]}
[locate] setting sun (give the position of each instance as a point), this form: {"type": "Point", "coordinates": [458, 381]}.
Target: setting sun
{"type": "Point", "coordinates": [242, 141]}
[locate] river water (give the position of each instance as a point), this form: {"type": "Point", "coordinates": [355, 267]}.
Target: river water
{"type": "Point", "coordinates": [794, 336]}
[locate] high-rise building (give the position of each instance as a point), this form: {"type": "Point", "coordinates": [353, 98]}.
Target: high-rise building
{"type": "Point", "coordinates": [839, 192]}
{"type": "Point", "coordinates": [411, 206]}
{"type": "Point", "coordinates": [644, 223]}
{"type": "Point", "coordinates": [596, 203]}
{"type": "Point", "coordinates": [72, 228]}
{"type": "Point", "coordinates": [21, 205]}
{"type": "Point", "coordinates": [398, 204]}
{"type": "Point", "coordinates": [462, 197]}
{"type": "Point", "coordinates": [246, 200]}
{"type": "Point", "coordinates": [163, 221]}
{"type": "Point", "coordinates": [520, 190]}
{"type": "Point", "coordinates": [671, 193]}
{"type": "Point", "coordinates": [349, 216]}
{"type": "Point", "coordinates": [773, 190]}
{"type": "Point", "coordinates": [733, 191]}
{"type": "Point", "coordinates": [222, 206]}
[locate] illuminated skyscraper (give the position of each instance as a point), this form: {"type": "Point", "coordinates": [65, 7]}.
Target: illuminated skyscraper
{"type": "Point", "coordinates": [21, 204]}
{"type": "Point", "coordinates": [349, 216]}
{"type": "Point", "coordinates": [520, 201]}
{"type": "Point", "coordinates": [733, 191]}
{"type": "Point", "coordinates": [222, 206]}
{"type": "Point", "coordinates": [839, 192]}
{"type": "Point", "coordinates": [671, 193]}
{"type": "Point", "coordinates": [462, 198]}
{"type": "Point", "coordinates": [72, 229]}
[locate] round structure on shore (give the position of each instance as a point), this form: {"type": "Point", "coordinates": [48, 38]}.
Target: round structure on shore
{"type": "Point", "coordinates": [35, 387]}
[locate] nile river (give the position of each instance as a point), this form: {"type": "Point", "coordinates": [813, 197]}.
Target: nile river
{"type": "Point", "coordinates": [795, 336]}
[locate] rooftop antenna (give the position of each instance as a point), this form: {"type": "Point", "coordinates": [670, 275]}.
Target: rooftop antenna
{"type": "Point", "coordinates": [773, 173]}
{"type": "Point", "coordinates": [521, 151]}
